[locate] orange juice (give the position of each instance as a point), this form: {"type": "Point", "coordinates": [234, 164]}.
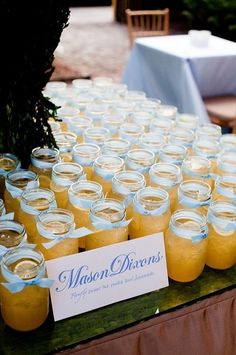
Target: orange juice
{"type": "Point", "coordinates": [42, 161]}
{"type": "Point", "coordinates": [104, 168]}
{"type": "Point", "coordinates": [140, 160]}
{"type": "Point", "coordinates": [16, 182]}
{"type": "Point", "coordinates": [168, 177]}
{"type": "Point", "coordinates": [186, 245]}
{"type": "Point", "coordinates": [225, 189]}
{"type": "Point", "coordinates": [65, 142]}
{"type": "Point", "coordinates": [81, 196]}
{"type": "Point", "coordinates": [84, 154]}
{"type": "Point", "coordinates": [25, 309]}
{"type": "Point", "coordinates": [207, 148]}
{"type": "Point", "coordinates": [79, 125]}
{"type": "Point", "coordinates": [108, 221]}
{"type": "Point", "coordinates": [151, 212]}
{"type": "Point", "coordinates": [63, 175]}
{"type": "Point", "coordinates": [221, 251]}
{"type": "Point", "coordinates": [32, 203]}
{"type": "Point", "coordinates": [197, 168]}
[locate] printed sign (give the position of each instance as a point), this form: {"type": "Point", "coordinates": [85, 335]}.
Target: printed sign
{"type": "Point", "coordinates": [96, 278]}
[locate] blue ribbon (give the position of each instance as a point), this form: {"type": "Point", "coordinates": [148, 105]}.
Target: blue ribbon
{"type": "Point", "coordinates": [187, 234]}
{"type": "Point", "coordinates": [192, 203]}
{"type": "Point", "coordinates": [197, 175]}
{"type": "Point", "coordinates": [157, 212]}
{"type": "Point", "coordinates": [167, 183]}
{"type": "Point", "coordinates": [56, 239]}
{"type": "Point", "coordinates": [18, 284]}
{"type": "Point", "coordinates": [33, 210]}
{"type": "Point", "coordinates": [221, 223]}
{"type": "Point", "coordinates": [7, 217]}
{"type": "Point", "coordinates": [102, 224]}
{"type": "Point", "coordinates": [224, 191]}
{"type": "Point", "coordinates": [17, 192]}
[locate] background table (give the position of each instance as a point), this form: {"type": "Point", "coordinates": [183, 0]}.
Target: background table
{"type": "Point", "coordinates": [178, 73]}
{"type": "Point", "coordinates": [198, 315]}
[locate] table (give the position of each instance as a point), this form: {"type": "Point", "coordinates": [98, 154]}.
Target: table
{"type": "Point", "coordinates": [199, 315]}
{"type": "Point", "coordinates": [178, 73]}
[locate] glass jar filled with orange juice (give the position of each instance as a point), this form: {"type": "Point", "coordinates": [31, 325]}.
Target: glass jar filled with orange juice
{"type": "Point", "coordinates": [228, 141]}
{"type": "Point", "coordinates": [183, 137]}
{"type": "Point", "coordinates": [113, 121]}
{"type": "Point", "coordinates": [168, 177]}
{"type": "Point", "coordinates": [226, 163]}
{"type": "Point", "coordinates": [173, 153]}
{"type": "Point", "coordinates": [32, 203]}
{"type": "Point", "coordinates": [140, 160]}
{"type": "Point", "coordinates": [96, 135]}
{"type": "Point", "coordinates": [187, 120]}
{"type": "Point", "coordinates": [194, 194]}
{"type": "Point", "coordinates": [81, 196]}
{"type": "Point", "coordinates": [24, 291]}
{"type": "Point", "coordinates": [65, 142]}
{"type": "Point", "coordinates": [221, 251]}
{"type": "Point", "coordinates": [152, 141]}
{"type": "Point", "coordinates": [151, 212]}
{"type": "Point", "coordinates": [42, 161]}
{"type": "Point", "coordinates": [197, 168]}
{"type": "Point", "coordinates": [141, 118]}
{"type": "Point", "coordinates": [209, 131]}
{"type": "Point", "coordinates": [12, 235]}
{"type": "Point", "coordinates": [132, 132]}
{"type": "Point", "coordinates": [186, 245]}
{"type": "Point", "coordinates": [166, 111]}
{"type": "Point", "coordinates": [96, 111]}
{"type": "Point", "coordinates": [124, 186]}
{"type": "Point", "coordinates": [79, 125]}
{"type": "Point", "coordinates": [8, 162]}
{"type": "Point", "coordinates": [57, 235]}
{"type": "Point", "coordinates": [104, 168]}
{"type": "Point", "coordinates": [66, 114]}
{"type": "Point", "coordinates": [63, 175]}
{"type": "Point", "coordinates": [116, 146]}
{"type": "Point", "coordinates": [225, 189]}
{"type": "Point", "coordinates": [207, 148]}
{"type": "Point", "coordinates": [108, 222]}
{"type": "Point", "coordinates": [84, 154]}
{"type": "Point", "coordinates": [161, 126]}
{"type": "Point", "coordinates": [16, 182]}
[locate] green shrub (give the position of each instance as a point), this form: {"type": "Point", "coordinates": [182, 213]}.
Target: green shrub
{"type": "Point", "coordinates": [218, 16]}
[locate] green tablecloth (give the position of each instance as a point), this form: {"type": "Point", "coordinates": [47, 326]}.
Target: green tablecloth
{"type": "Point", "coordinates": [57, 336]}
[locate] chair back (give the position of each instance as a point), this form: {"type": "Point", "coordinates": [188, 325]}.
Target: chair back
{"type": "Point", "coordinates": [147, 23]}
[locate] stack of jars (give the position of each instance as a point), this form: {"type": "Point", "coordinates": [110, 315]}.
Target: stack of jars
{"type": "Point", "coordinates": [126, 167]}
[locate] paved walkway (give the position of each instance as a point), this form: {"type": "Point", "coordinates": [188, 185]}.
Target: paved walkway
{"type": "Point", "coordinates": [92, 45]}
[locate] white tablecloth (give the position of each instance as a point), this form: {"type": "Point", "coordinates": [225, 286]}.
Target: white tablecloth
{"type": "Point", "coordinates": [176, 72]}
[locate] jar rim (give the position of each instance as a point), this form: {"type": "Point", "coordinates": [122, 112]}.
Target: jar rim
{"type": "Point", "coordinates": [13, 176]}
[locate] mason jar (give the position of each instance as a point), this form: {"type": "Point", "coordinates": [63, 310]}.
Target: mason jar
{"type": "Point", "coordinates": [79, 125]}
{"type": "Point", "coordinates": [187, 121]}
{"type": "Point", "coordinates": [221, 251]}
{"type": "Point", "coordinates": [116, 146]}
{"type": "Point", "coordinates": [167, 111]}
{"type": "Point", "coordinates": [12, 235]}
{"type": "Point", "coordinates": [194, 194]}
{"type": "Point", "coordinates": [96, 111]}
{"type": "Point", "coordinates": [151, 212]}
{"type": "Point", "coordinates": [225, 189]}
{"type": "Point", "coordinates": [108, 221]}
{"type": "Point", "coordinates": [84, 154]}
{"type": "Point", "coordinates": [113, 121]}
{"type": "Point", "coordinates": [82, 84]}
{"type": "Point", "coordinates": [152, 141]}
{"type": "Point", "coordinates": [42, 161]}
{"type": "Point", "coordinates": [207, 148]}
{"type": "Point", "coordinates": [81, 196]}
{"type": "Point", "coordinates": [197, 168]}
{"type": "Point", "coordinates": [209, 131]}
{"type": "Point", "coordinates": [132, 132]}
{"type": "Point", "coordinates": [186, 245]}
{"type": "Point", "coordinates": [140, 160]}
{"type": "Point", "coordinates": [124, 186]}
{"type": "Point", "coordinates": [96, 135]}
{"type": "Point", "coordinates": [161, 125]}
{"type": "Point", "coordinates": [65, 142]}
{"type": "Point", "coordinates": [8, 162]}
{"type": "Point", "coordinates": [55, 236]}
{"type": "Point", "coordinates": [66, 114]}
{"type": "Point", "coordinates": [173, 153]}
{"type": "Point", "coordinates": [104, 168]}
{"type": "Point", "coordinates": [226, 163]}
{"type": "Point", "coordinates": [183, 137]}
{"type": "Point", "coordinates": [16, 182]}
{"type": "Point", "coordinates": [135, 95]}
{"type": "Point", "coordinates": [25, 290]}
{"type": "Point", "coordinates": [55, 126]}
{"type": "Point", "coordinates": [228, 141]}
{"type": "Point", "coordinates": [167, 177]}
{"type": "Point", "coordinates": [141, 118]}
{"type": "Point", "coordinates": [148, 105]}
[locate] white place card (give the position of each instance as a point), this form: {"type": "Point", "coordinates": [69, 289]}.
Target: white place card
{"type": "Point", "coordinates": [96, 278]}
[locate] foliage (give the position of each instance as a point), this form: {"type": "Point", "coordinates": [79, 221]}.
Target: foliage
{"type": "Point", "coordinates": [30, 32]}
{"type": "Point", "coordinates": [218, 16]}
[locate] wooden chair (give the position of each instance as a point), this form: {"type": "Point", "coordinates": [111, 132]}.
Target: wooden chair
{"type": "Point", "coordinates": [222, 111]}
{"type": "Point", "coordinates": [147, 23]}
